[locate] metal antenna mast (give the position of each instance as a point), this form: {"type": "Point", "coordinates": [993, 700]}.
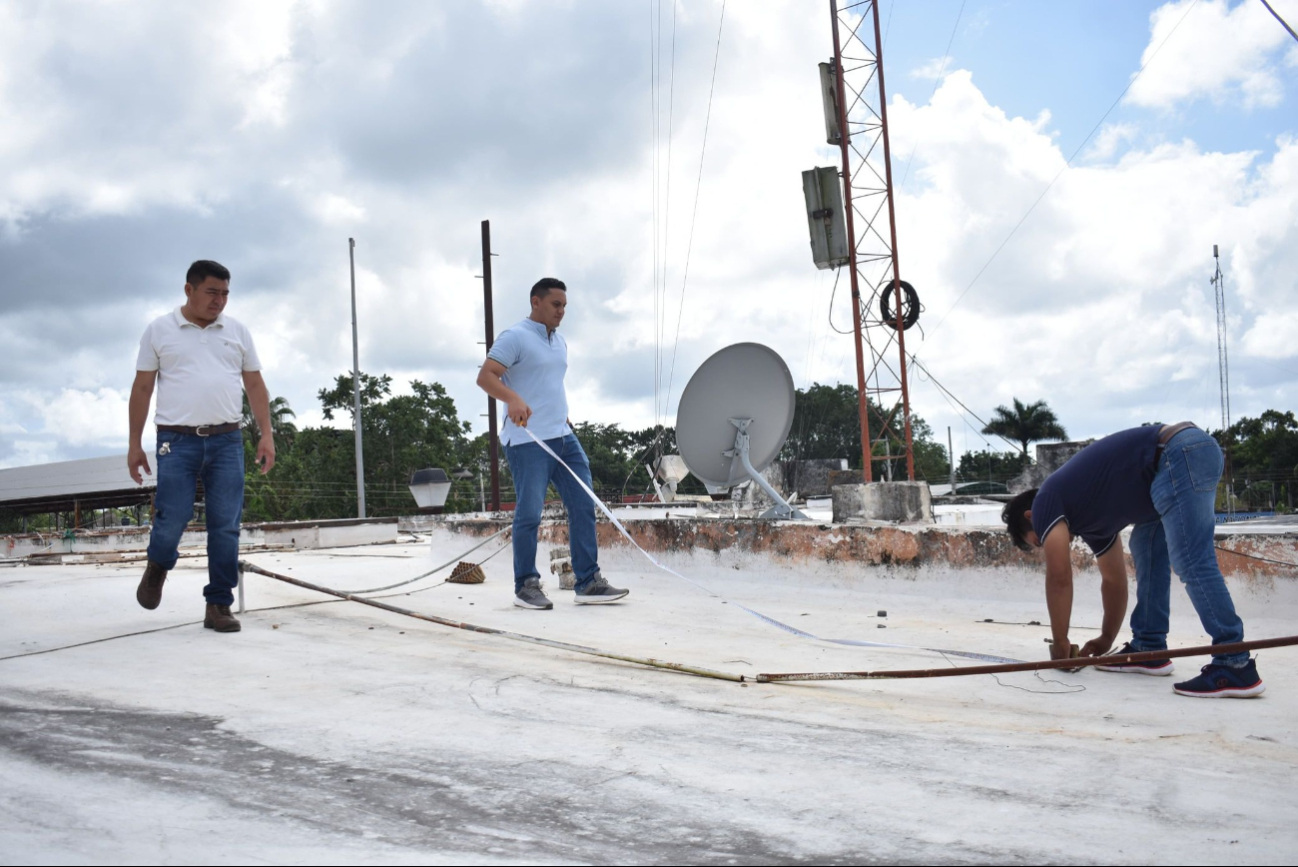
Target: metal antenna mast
{"type": "Point", "coordinates": [1223, 363]}
{"type": "Point", "coordinates": [867, 197]}
{"type": "Point", "coordinates": [356, 389]}
{"type": "Point", "coordinates": [1223, 371]}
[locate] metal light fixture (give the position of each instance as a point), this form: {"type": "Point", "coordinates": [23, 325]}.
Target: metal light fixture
{"type": "Point", "coordinates": [430, 488]}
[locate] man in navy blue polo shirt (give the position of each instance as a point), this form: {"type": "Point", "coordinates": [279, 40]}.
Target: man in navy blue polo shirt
{"type": "Point", "coordinates": [1163, 479]}
{"type": "Point", "coordinates": [525, 370]}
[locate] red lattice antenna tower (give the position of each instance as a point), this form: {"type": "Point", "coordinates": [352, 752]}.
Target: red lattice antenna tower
{"type": "Point", "coordinates": [878, 321]}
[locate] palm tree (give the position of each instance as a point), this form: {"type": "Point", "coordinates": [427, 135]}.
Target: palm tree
{"type": "Point", "coordinates": [1026, 423]}
{"type": "Point", "coordinates": [280, 413]}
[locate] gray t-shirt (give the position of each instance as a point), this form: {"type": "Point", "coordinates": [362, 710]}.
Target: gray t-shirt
{"type": "Point", "coordinates": [536, 361]}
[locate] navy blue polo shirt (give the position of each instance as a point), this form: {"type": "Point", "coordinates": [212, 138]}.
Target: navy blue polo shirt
{"type": "Point", "coordinates": [1102, 489]}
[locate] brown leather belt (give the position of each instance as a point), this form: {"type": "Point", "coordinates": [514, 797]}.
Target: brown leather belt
{"type": "Point", "coordinates": [1171, 430]}
{"type": "Point", "coordinates": [203, 430]}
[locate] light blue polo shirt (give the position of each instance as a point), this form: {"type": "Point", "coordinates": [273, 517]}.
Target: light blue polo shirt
{"type": "Point", "coordinates": [536, 363]}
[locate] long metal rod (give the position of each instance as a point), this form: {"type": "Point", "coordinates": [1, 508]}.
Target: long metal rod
{"type": "Point", "coordinates": [844, 144]}
{"type": "Point", "coordinates": [487, 630]}
{"type": "Point", "coordinates": [1006, 668]}
{"type": "Point", "coordinates": [892, 230]}
{"type": "Point", "coordinates": [356, 389]}
{"type": "Point", "coordinates": [493, 441]}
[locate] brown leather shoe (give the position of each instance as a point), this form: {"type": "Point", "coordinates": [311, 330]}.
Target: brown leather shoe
{"type": "Point", "coordinates": [149, 593]}
{"type": "Point", "coordinates": [219, 618]}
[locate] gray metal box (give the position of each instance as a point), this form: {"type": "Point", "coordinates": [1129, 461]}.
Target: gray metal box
{"type": "Point", "coordinates": [824, 195]}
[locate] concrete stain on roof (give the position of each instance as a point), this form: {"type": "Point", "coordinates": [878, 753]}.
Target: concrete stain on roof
{"type": "Point", "coordinates": [334, 731]}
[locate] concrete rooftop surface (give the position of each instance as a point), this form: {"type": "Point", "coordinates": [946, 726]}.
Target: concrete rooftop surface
{"type": "Point", "coordinates": [337, 733]}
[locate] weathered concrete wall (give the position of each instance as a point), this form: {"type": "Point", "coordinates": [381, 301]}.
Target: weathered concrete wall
{"type": "Point", "coordinates": [1050, 457]}
{"type": "Point", "coordinates": [876, 545]}
{"type": "Point", "coordinates": [901, 502]}
{"type": "Point", "coordinates": [295, 534]}
{"type": "Point", "coordinates": [810, 478]}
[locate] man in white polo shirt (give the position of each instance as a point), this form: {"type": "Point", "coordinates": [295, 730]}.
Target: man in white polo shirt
{"type": "Point", "coordinates": [202, 361]}
{"type": "Point", "coordinates": [525, 370]}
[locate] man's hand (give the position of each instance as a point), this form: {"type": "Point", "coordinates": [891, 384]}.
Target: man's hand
{"type": "Point", "coordinates": [136, 458]}
{"type": "Point", "coordinates": [1097, 646]}
{"type": "Point", "coordinates": [519, 412]}
{"type": "Point", "coordinates": [265, 453]}
{"type": "Point", "coordinates": [1065, 651]}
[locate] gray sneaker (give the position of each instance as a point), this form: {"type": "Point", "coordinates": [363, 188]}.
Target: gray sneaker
{"type": "Point", "coordinates": [530, 596]}
{"type": "Point", "coordinates": [598, 592]}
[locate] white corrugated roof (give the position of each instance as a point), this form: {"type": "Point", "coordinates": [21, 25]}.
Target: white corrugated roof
{"type": "Point", "coordinates": [69, 478]}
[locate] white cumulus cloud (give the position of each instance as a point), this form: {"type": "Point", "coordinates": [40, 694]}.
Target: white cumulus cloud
{"type": "Point", "coordinates": [1219, 51]}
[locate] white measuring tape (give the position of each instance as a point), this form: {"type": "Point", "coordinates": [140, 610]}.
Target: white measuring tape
{"type": "Point", "coordinates": [793, 630]}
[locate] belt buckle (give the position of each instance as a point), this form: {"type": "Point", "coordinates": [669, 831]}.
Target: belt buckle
{"type": "Point", "coordinates": [201, 430]}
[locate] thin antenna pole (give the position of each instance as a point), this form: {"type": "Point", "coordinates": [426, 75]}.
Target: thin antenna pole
{"type": "Point", "coordinates": [356, 390]}
{"type": "Point", "coordinates": [493, 442]}
{"type": "Point", "coordinates": [845, 137]}
{"type": "Point", "coordinates": [1223, 371]}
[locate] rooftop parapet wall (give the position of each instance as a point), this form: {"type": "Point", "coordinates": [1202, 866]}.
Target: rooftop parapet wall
{"type": "Point", "coordinates": [885, 545]}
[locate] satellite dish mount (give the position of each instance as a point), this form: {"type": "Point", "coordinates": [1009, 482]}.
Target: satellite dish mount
{"type": "Point", "coordinates": [781, 510]}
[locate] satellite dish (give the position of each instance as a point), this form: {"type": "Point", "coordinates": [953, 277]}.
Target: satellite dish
{"type": "Point", "coordinates": [734, 417]}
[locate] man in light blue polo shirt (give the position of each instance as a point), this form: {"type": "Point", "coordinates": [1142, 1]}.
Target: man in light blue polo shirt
{"type": "Point", "coordinates": [525, 370]}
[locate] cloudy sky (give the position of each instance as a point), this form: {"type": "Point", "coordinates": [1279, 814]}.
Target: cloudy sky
{"type": "Point", "coordinates": [136, 137]}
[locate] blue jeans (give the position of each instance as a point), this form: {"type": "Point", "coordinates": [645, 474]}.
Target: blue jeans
{"type": "Point", "coordinates": [1184, 493]}
{"type": "Point", "coordinates": [533, 472]}
{"type": "Point", "coordinates": [217, 460]}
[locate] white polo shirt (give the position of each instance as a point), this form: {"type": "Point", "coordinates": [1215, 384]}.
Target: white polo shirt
{"type": "Point", "coordinates": [200, 370]}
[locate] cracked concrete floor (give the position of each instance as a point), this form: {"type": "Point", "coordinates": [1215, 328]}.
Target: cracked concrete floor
{"type": "Point", "coordinates": [344, 734]}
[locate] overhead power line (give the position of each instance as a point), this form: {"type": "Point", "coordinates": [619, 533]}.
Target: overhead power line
{"type": "Point", "coordinates": [915, 361]}
{"type": "Point", "coordinates": [1067, 165]}
{"type": "Point", "coordinates": [946, 56]}
{"type": "Point", "coordinates": [698, 185]}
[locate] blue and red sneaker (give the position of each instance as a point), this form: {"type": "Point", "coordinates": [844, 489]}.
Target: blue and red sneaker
{"type": "Point", "coordinates": [1158, 668]}
{"type": "Point", "coordinates": [1223, 681]}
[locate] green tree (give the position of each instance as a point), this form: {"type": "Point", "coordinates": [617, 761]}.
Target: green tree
{"type": "Point", "coordinates": [1026, 423]}
{"type": "Point", "coordinates": [827, 424]}
{"type": "Point", "coordinates": [610, 451]}
{"type": "Point", "coordinates": [315, 477]}
{"type": "Point", "coordinates": [1263, 458]}
{"type": "Point", "coordinates": [989, 465]}
{"type": "Point", "coordinates": [281, 427]}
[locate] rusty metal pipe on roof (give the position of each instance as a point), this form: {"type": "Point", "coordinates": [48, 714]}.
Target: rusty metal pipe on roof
{"type": "Point", "coordinates": [695, 670]}
{"type": "Point", "coordinates": [1006, 668]}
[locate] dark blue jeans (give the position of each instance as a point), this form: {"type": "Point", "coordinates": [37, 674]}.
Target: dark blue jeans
{"type": "Point", "coordinates": [533, 472]}
{"type": "Point", "coordinates": [1184, 493]}
{"type": "Point", "coordinates": [182, 459]}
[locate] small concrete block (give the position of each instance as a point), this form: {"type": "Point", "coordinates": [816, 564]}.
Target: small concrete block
{"type": "Point", "coordinates": [559, 552]}
{"type": "Point", "coordinates": [896, 502]}
{"type": "Point", "coordinates": [567, 580]}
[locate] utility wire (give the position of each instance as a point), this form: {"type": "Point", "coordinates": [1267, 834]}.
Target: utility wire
{"type": "Point", "coordinates": [1067, 165]}
{"type": "Point", "coordinates": [946, 56]}
{"type": "Point", "coordinates": [915, 361]}
{"type": "Point", "coordinates": [698, 185]}
{"type": "Point", "coordinates": [833, 293]}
